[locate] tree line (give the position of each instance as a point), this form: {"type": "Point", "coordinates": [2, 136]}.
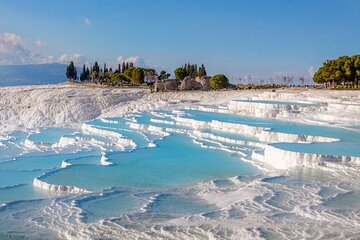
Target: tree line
{"type": "Point", "coordinates": [128, 74]}
{"type": "Point", "coordinates": [125, 73]}
{"type": "Point", "coordinates": [191, 70]}
{"type": "Point", "coordinates": [343, 71]}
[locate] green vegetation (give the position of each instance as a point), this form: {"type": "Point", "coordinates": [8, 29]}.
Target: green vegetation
{"type": "Point", "coordinates": [343, 71]}
{"type": "Point", "coordinates": [128, 74]}
{"type": "Point", "coordinates": [202, 71]}
{"type": "Point", "coordinates": [190, 70]}
{"type": "Point", "coordinates": [71, 73]}
{"type": "Point", "coordinates": [125, 74]}
{"type": "Point", "coordinates": [219, 81]}
{"type": "Point", "coordinates": [137, 76]}
{"type": "Point", "coordinates": [85, 73]}
{"type": "Point", "coordinates": [163, 75]}
{"type": "Point", "coordinates": [340, 73]}
{"type": "Point", "coordinates": [180, 73]}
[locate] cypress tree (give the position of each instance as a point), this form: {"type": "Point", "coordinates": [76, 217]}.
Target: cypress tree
{"type": "Point", "coordinates": [95, 71]}
{"type": "Point", "coordinates": [123, 67]}
{"type": "Point", "coordinates": [83, 74]}
{"type": "Point", "coordinates": [203, 70]}
{"type": "Point", "coordinates": [75, 74]}
{"type": "Point", "coordinates": [87, 74]}
{"type": "Point", "coordinates": [71, 72]}
{"type": "Point", "coordinates": [192, 70]}
{"type": "Point", "coordinates": [96, 67]}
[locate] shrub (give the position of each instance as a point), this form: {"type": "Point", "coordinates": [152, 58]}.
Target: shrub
{"type": "Point", "coordinates": [219, 81]}
{"type": "Point", "coordinates": [137, 76]}
{"type": "Point", "coordinates": [180, 73]}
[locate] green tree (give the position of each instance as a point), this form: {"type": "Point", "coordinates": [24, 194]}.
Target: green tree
{"type": "Point", "coordinates": [219, 81]}
{"type": "Point", "coordinates": [344, 70]}
{"type": "Point", "coordinates": [137, 76]}
{"type": "Point", "coordinates": [71, 73]}
{"type": "Point", "coordinates": [191, 70]}
{"type": "Point", "coordinates": [83, 74]}
{"type": "Point", "coordinates": [202, 71]}
{"type": "Point", "coordinates": [123, 67]}
{"type": "Point", "coordinates": [163, 75]}
{"type": "Point", "coordinates": [116, 78]}
{"type": "Point", "coordinates": [356, 59]}
{"type": "Point", "coordinates": [105, 68]}
{"type": "Point", "coordinates": [128, 73]}
{"type": "Point", "coordinates": [95, 72]}
{"type": "Point", "coordinates": [87, 73]}
{"type": "Point", "coordinates": [96, 67]}
{"type": "Point", "coordinates": [180, 73]}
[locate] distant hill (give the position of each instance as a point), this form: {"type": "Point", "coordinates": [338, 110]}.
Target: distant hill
{"type": "Point", "coordinates": [32, 74]}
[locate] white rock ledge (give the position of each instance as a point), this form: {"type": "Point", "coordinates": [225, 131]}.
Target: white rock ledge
{"type": "Point", "coordinates": [65, 164]}
{"type": "Point", "coordinates": [57, 188]}
{"type": "Point", "coordinates": [104, 160]}
{"type": "Point", "coordinates": [199, 134]}
{"type": "Point", "coordinates": [117, 137]}
{"type": "Point", "coordinates": [265, 135]}
{"type": "Point", "coordinates": [270, 110]}
{"type": "Point", "coordinates": [284, 159]}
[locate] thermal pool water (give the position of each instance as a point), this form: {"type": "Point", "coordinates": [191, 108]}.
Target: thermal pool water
{"type": "Point", "coordinates": [201, 172]}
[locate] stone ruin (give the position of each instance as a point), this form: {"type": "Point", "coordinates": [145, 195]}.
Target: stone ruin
{"type": "Point", "coordinates": [188, 83]}
{"type": "Point", "coordinates": [166, 85]}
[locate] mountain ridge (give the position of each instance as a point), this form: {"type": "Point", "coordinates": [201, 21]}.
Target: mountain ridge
{"type": "Point", "coordinates": [32, 74]}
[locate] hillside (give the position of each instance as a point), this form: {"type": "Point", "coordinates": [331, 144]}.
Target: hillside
{"type": "Point", "coordinates": [32, 74]}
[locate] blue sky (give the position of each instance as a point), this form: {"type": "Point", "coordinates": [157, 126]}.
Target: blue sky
{"type": "Point", "coordinates": [254, 37]}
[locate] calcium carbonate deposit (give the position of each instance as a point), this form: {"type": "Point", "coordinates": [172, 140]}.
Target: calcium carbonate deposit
{"type": "Point", "coordinates": [106, 163]}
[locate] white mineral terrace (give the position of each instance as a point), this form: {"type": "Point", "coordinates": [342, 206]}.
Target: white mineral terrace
{"type": "Point", "coordinates": [61, 105]}
{"type": "Point", "coordinates": [57, 188]}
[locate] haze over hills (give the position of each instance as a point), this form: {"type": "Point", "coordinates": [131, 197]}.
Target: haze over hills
{"type": "Point", "coordinates": [32, 74]}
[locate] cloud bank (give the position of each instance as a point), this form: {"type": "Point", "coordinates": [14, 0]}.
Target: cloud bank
{"type": "Point", "coordinates": [13, 51]}
{"type": "Point", "coordinates": [77, 58]}
{"type": "Point", "coordinates": [136, 60]}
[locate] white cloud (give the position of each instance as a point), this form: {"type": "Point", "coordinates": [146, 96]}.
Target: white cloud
{"type": "Point", "coordinates": [11, 50]}
{"type": "Point", "coordinates": [40, 43]}
{"type": "Point", "coordinates": [77, 58]}
{"type": "Point", "coordinates": [86, 21]}
{"type": "Point", "coordinates": [11, 38]}
{"type": "Point", "coordinates": [136, 60]}
{"type": "Point", "coordinates": [38, 58]}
